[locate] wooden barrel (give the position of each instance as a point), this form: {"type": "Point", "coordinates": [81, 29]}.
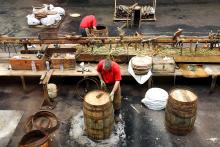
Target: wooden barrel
{"type": "Point", "coordinates": [101, 31]}
{"type": "Point", "coordinates": [98, 115]}
{"type": "Point", "coordinates": [180, 113]}
{"type": "Point", "coordinates": [35, 138]}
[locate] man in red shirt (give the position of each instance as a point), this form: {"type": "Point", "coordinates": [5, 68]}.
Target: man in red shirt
{"type": "Point", "coordinates": [110, 77]}
{"type": "Point", "coordinates": [88, 22]}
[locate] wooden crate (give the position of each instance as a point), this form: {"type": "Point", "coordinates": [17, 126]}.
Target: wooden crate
{"type": "Point", "coordinates": [68, 60]}
{"type": "Point", "coordinates": [23, 62]}
{"type": "Point", "coordinates": [163, 65]}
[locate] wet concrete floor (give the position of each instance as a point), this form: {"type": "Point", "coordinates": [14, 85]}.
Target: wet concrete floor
{"type": "Point", "coordinates": [143, 128]}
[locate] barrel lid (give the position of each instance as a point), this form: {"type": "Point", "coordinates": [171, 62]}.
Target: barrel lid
{"type": "Point", "coordinates": [97, 98]}
{"type": "Point", "coordinates": [183, 95]}
{"type": "Point", "coordinates": [141, 60]}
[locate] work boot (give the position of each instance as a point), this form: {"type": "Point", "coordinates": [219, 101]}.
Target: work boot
{"type": "Point", "coordinates": [117, 119]}
{"type": "Point", "coordinates": [116, 114]}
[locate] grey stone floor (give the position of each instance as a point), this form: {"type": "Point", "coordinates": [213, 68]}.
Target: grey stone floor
{"type": "Point", "coordinates": [141, 128]}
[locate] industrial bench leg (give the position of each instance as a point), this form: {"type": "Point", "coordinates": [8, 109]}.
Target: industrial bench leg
{"type": "Point", "coordinates": [23, 83]}
{"type": "Point", "coordinates": [214, 79]}
{"type": "Point", "coordinates": [174, 80]}
{"type": "Point", "coordinates": [150, 82]}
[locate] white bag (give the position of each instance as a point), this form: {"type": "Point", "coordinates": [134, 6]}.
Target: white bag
{"type": "Point", "coordinates": [47, 21]}
{"type": "Point", "coordinates": [51, 7]}
{"type": "Point", "coordinates": [57, 17]}
{"type": "Point", "coordinates": [58, 10]}
{"type": "Point", "coordinates": [31, 20]}
{"type": "Point", "coordinates": [155, 99]}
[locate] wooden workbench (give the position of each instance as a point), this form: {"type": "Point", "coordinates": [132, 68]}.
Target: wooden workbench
{"type": "Point", "coordinates": [4, 71]}
{"type": "Point", "coordinates": [212, 70]}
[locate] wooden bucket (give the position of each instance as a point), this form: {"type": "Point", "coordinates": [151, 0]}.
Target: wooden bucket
{"type": "Point", "coordinates": [101, 31]}
{"type": "Point", "coordinates": [35, 138]}
{"type": "Point", "coordinates": [180, 113]}
{"type": "Point", "coordinates": [98, 115]}
{"type": "Point", "coordinates": [52, 90]}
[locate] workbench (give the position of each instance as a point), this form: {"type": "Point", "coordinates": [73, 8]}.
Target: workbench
{"type": "Point", "coordinates": [211, 69]}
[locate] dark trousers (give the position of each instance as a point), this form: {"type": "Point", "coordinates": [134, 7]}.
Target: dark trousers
{"type": "Point", "coordinates": [83, 32]}
{"type": "Point", "coordinates": [117, 98]}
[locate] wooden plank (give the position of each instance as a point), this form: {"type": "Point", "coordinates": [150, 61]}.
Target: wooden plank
{"type": "Point", "coordinates": [50, 51]}
{"type": "Point", "coordinates": [34, 50]}
{"type": "Point", "coordinates": [198, 72]}
{"type": "Point", "coordinates": [91, 58]}
{"type": "Point", "coordinates": [62, 48]}
{"type": "Point", "coordinates": [149, 19]}
{"type": "Point", "coordinates": [57, 72]}
{"type": "Point", "coordinates": [71, 72]}
{"type": "Point", "coordinates": [47, 77]}
{"type": "Point", "coordinates": [104, 40]}
{"type": "Point", "coordinates": [197, 59]}
{"type": "Point", "coordinates": [121, 19]}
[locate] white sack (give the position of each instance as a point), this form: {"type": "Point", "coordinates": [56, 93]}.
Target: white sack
{"type": "Point", "coordinates": [31, 20]}
{"type": "Point", "coordinates": [47, 21]}
{"type": "Point", "coordinates": [58, 10]}
{"type": "Point", "coordinates": [155, 99]}
{"type": "Point", "coordinates": [57, 17]}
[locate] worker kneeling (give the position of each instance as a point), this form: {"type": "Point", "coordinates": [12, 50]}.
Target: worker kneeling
{"type": "Point", "coordinates": [87, 23]}
{"type": "Point", "coordinates": [110, 77]}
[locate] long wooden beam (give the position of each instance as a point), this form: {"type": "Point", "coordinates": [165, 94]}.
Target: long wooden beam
{"type": "Point", "coordinates": [103, 40]}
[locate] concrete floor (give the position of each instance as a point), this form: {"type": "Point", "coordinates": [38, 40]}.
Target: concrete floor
{"type": "Point", "coordinates": [144, 128]}
{"type": "Point", "coordinates": [198, 18]}
{"type": "Point", "coordinates": [141, 128]}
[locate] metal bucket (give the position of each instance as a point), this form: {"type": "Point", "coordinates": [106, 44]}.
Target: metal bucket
{"type": "Point", "coordinates": [35, 138]}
